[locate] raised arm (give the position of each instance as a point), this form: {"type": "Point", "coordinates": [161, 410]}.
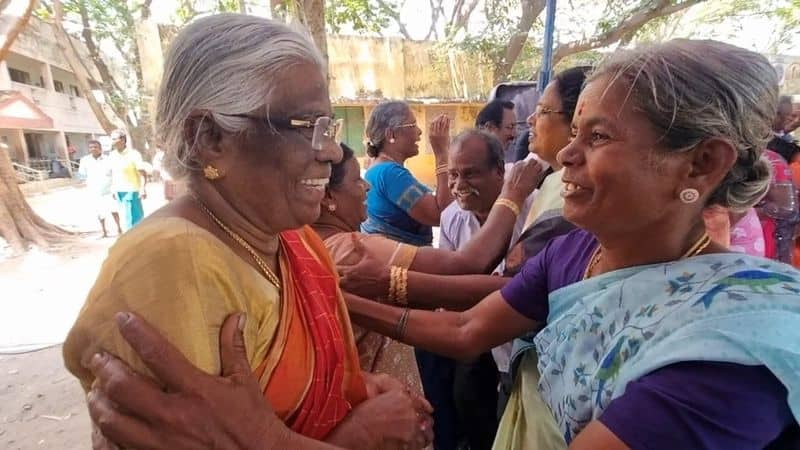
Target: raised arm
{"type": "Point", "coordinates": [460, 335]}
{"type": "Point", "coordinates": [489, 245]}
{"type": "Point", "coordinates": [429, 208]}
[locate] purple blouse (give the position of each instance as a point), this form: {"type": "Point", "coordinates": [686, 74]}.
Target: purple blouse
{"type": "Point", "coordinates": [687, 405]}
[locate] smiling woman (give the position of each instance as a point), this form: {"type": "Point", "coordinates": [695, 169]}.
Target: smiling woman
{"type": "Point", "coordinates": [654, 336]}
{"type": "Point", "coordinates": [244, 115]}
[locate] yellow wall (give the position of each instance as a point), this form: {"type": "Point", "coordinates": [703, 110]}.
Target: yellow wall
{"type": "Point", "coordinates": [375, 68]}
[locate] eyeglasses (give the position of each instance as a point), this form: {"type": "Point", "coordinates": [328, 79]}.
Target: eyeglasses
{"type": "Point", "coordinates": [407, 125]}
{"type": "Point", "coordinates": [543, 111]}
{"type": "Point", "coordinates": [325, 129]}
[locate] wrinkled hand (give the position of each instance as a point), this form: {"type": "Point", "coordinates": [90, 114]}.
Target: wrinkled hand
{"type": "Point", "coordinates": [392, 418]}
{"type": "Point", "coordinates": [367, 276]}
{"type": "Point", "coordinates": [199, 411]}
{"type": "Point", "coordinates": [439, 135]}
{"type": "Point", "coordinates": [521, 180]}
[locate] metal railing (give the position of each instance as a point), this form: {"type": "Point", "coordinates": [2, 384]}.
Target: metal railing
{"type": "Point", "coordinates": [27, 174]}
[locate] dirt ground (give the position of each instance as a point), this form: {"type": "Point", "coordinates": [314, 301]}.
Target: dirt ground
{"type": "Point", "coordinates": [41, 405]}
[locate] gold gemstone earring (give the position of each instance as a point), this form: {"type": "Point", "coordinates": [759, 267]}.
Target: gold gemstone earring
{"type": "Point", "coordinates": [211, 172]}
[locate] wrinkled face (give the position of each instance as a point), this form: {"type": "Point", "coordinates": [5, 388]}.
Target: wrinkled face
{"type": "Point", "coordinates": [279, 174]}
{"type": "Point", "coordinates": [95, 150]}
{"type": "Point", "coordinates": [350, 196]}
{"type": "Point", "coordinates": [617, 179]}
{"type": "Point", "coordinates": [474, 184]}
{"type": "Point", "coordinates": [549, 126]}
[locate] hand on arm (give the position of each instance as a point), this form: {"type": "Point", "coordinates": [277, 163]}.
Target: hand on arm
{"type": "Point", "coordinates": [198, 411]}
{"type": "Point", "coordinates": [460, 335]}
{"type": "Point", "coordinates": [488, 247]}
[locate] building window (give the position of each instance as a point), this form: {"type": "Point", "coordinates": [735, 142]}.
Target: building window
{"type": "Point", "coordinates": [19, 76]}
{"type": "Point", "coordinates": [74, 91]}
{"type": "Point", "coordinates": [353, 132]}
{"type": "Point", "coordinates": [59, 86]}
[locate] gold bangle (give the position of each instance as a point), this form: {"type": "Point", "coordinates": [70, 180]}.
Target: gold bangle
{"type": "Point", "coordinates": [402, 286]}
{"type": "Point", "coordinates": [398, 285]}
{"type": "Point", "coordinates": [508, 204]}
{"type": "Point", "coordinates": [392, 283]}
{"type": "Point", "coordinates": [400, 329]}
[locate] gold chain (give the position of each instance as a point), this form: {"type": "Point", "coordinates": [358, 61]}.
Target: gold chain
{"type": "Point", "coordinates": [694, 250]}
{"type": "Point", "coordinates": [271, 277]}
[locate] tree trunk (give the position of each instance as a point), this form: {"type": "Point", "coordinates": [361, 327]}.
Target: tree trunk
{"type": "Point", "coordinates": [17, 28]}
{"type": "Point", "coordinates": [19, 225]}
{"type": "Point", "coordinates": [530, 11]}
{"type": "Point", "coordinates": [81, 74]}
{"type": "Point", "coordinates": [315, 22]}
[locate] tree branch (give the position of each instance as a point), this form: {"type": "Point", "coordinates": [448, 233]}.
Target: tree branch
{"type": "Point", "coordinates": [530, 11]}
{"type": "Point", "coordinates": [65, 45]}
{"type": "Point", "coordinates": [395, 15]}
{"type": "Point", "coordinates": [17, 28]}
{"type": "Point", "coordinates": [146, 9]}
{"type": "Point", "coordinates": [460, 18]}
{"type": "Point", "coordinates": [627, 27]}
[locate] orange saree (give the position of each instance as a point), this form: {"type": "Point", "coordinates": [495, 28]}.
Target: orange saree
{"type": "Point", "coordinates": [316, 381]}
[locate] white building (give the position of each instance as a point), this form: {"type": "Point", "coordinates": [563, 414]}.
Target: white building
{"type": "Point", "coordinates": [43, 115]}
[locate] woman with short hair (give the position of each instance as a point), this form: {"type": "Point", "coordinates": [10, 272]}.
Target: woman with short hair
{"type": "Point", "coordinates": [245, 117]}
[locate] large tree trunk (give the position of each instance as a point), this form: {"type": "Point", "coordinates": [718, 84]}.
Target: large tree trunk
{"type": "Point", "coordinates": [81, 74]}
{"type": "Point", "coordinates": [19, 225]}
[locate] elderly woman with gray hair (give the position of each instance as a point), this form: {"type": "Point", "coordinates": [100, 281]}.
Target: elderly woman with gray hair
{"type": "Point", "coordinates": [399, 206]}
{"type": "Point", "coordinates": [668, 343]}
{"type": "Point", "coordinates": [245, 117]}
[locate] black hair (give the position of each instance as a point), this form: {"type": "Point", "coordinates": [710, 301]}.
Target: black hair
{"type": "Point", "coordinates": [569, 84]}
{"type": "Point", "coordinates": [94, 141]}
{"type": "Point", "coordinates": [492, 113]}
{"type": "Point", "coordinates": [338, 169]}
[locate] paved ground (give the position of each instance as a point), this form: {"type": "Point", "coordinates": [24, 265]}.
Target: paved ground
{"type": "Point", "coordinates": [41, 404]}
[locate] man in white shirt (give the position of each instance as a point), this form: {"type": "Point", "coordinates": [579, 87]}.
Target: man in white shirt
{"type": "Point", "coordinates": [476, 175]}
{"type": "Point", "coordinates": [128, 178]}
{"type": "Point", "coordinates": [94, 168]}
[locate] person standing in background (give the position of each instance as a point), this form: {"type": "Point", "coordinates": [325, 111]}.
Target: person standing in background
{"type": "Point", "coordinates": [94, 168]}
{"type": "Point", "coordinates": [128, 178]}
{"type": "Point", "coordinates": [498, 118]}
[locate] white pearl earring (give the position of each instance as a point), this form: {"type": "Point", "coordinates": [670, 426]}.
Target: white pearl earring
{"type": "Point", "coordinates": [332, 207]}
{"type": "Point", "coordinates": [391, 140]}
{"type": "Point", "coordinates": [689, 195]}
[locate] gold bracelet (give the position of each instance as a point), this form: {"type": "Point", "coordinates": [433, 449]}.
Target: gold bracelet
{"type": "Point", "coordinates": [402, 286]}
{"type": "Point", "coordinates": [441, 169]}
{"type": "Point", "coordinates": [508, 204]}
{"type": "Point", "coordinates": [400, 329]}
{"type": "Point", "coordinates": [392, 283]}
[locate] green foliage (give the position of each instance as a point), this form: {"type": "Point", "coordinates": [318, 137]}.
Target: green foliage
{"type": "Point", "coordinates": [360, 15]}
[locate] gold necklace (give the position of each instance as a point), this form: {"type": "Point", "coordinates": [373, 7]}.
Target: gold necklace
{"type": "Point", "coordinates": [271, 277]}
{"type": "Point", "coordinates": [694, 250]}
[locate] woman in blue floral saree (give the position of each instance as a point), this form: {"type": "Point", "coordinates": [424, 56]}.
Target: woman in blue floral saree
{"type": "Point", "coordinates": [640, 331]}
